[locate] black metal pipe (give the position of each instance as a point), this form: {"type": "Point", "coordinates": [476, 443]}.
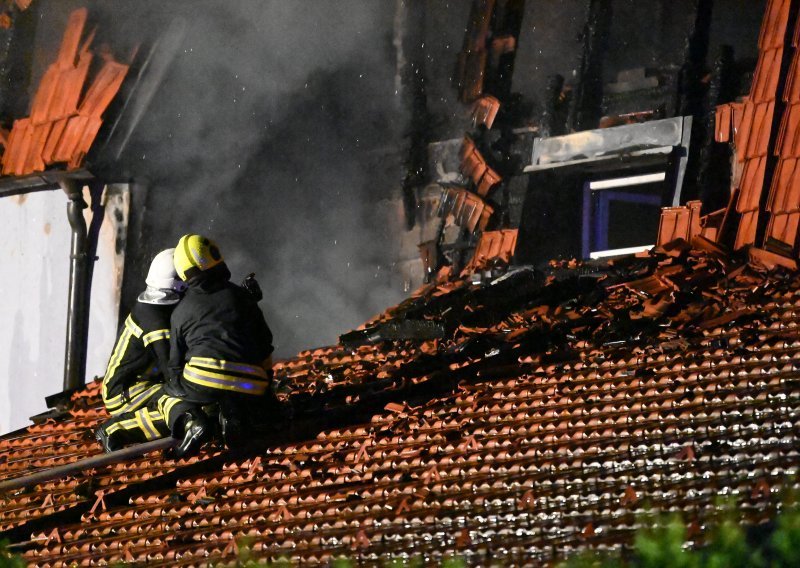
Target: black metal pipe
{"type": "Point", "coordinates": [91, 462]}
{"type": "Point", "coordinates": [77, 309]}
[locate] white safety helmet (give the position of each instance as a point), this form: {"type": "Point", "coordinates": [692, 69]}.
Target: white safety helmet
{"type": "Point", "coordinates": [163, 284]}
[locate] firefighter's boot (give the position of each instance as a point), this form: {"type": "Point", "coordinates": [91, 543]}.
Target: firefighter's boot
{"type": "Point", "coordinates": [195, 431]}
{"type": "Point", "coordinates": [110, 442]}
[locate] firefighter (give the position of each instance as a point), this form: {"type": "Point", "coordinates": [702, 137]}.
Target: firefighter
{"type": "Point", "coordinates": [220, 348]}
{"type": "Point", "coordinates": [138, 365]}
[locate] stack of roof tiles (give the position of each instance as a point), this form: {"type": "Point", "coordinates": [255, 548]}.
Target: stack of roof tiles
{"type": "Point", "coordinates": [555, 413]}
{"type": "Point", "coordinates": [65, 116]}
{"type": "Point", "coordinates": [679, 223]}
{"type": "Point", "coordinates": [753, 141]}
{"type": "Point", "coordinates": [766, 144]}
{"type": "Point", "coordinates": [784, 198]}
{"type": "Point", "coordinates": [468, 203]}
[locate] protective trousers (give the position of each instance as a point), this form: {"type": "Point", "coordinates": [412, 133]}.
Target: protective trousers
{"type": "Point", "coordinates": [155, 419]}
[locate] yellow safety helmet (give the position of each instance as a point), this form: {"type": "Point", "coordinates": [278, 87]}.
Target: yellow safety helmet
{"type": "Point", "coordinates": [195, 254]}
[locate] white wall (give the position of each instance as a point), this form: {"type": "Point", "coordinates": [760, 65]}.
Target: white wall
{"type": "Point", "coordinates": [34, 277]}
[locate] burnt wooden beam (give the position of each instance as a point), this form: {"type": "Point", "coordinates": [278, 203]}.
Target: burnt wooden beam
{"type": "Point", "coordinates": [588, 100]}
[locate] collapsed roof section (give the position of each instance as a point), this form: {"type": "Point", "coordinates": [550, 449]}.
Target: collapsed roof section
{"type": "Point", "coordinates": [552, 412]}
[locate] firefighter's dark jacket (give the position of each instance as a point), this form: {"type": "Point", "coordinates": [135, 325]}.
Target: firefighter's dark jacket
{"type": "Point", "coordinates": [219, 338]}
{"type": "Point", "coordinates": [142, 348]}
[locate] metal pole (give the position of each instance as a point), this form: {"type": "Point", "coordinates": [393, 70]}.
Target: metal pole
{"type": "Point", "coordinates": [88, 463]}
{"type": "Point", "coordinates": [77, 317]}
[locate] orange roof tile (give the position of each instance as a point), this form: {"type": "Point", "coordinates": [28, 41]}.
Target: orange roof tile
{"type": "Point", "coordinates": [767, 75]}
{"type": "Point", "coordinates": [783, 227]}
{"type": "Point", "coordinates": [493, 246]}
{"type": "Point", "coordinates": [746, 233]}
{"type": "Point", "coordinates": [679, 223]}
{"type": "Point", "coordinates": [752, 184]}
{"type": "Point", "coordinates": [484, 111]}
{"type": "Point", "coordinates": [723, 121]}
{"type": "Point", "coordinates": [773, 27]}
{"type": "Point", "coordinates": [62, 127]}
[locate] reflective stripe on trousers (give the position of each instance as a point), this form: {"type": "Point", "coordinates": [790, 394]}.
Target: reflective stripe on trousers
{"type": "Point", "coordinates": [131, 330]}
{"type": "Point", "coordinates": [226, 375]}
{"type": "Point", "coordinates": [149, 423]}
{"type": "Point", "coordinates": [138, 396]}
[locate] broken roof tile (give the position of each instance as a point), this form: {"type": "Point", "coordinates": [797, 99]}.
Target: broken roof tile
{"type": "Point", "coordinates": [68, 51]}
{"type": "Point", "coordinates": [770, 260]}
{"type": "Point", "coordinates": [484, 111]}
{"type": "Point", "coordinates": [489, 180]}
{"type": "Point", "coordinates": [468, 210]}
{"type": "Point", "coordinates": [493, 246]}
{"type": "Point", "coordinates": [723, 122]}
{"type": "Point", "coordinates": [103, 89]}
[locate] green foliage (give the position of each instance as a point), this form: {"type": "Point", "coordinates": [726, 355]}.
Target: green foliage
{"type": "Point", "coordinates": [665, 545]}
{"type": "Point", "coordinates": [413, 562]}
{"type": "Point", "coordinates": [785, 541]}
{"type": "Point", "coordinates": [342, 562]}
{"type": "Point", "coordinates": [8, 559]}
{"type": "Point", "coordinates": [728, 548]}
{"type": "Point", "coordinates": [592, 560]}
{"type": "Point", "coordinates": [453, 562]}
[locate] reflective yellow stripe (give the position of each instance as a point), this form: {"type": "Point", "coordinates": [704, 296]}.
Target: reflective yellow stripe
{"type": "Point", "coordinates": [210, 379]}
{"type": "Point", "coordinates": [122, 425]}
{"type": "Point", "coordinates": [165, 404]}
{"type": "Point", "coordinates": [222, 365]}
{"type": "Point", "coordinates": [146, 425]}
{"type": "Point", "coordinates": [114, 403]}
{"type": "Point", "coordinates": [135, 329]}
{"type": "Point", "coordinates": [156, 416]}
{"type": "Point", "coordinates": [116, 358]}
{"type": "Point", "coordinates": [131, 330]}
{"type": "Point", "coordinates": [138, 400]}
{"type": "Point", "coordinates": [154, 336]}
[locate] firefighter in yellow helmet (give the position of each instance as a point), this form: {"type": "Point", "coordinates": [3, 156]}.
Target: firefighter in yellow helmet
{"type": "Point", "coordinates": [220, 347]}
{"type": "Point", "coordinates": [140, 359]}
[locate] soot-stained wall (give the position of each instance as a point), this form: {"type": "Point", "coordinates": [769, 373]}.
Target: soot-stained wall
{"type": "Point", "coordinates": [648, 33]}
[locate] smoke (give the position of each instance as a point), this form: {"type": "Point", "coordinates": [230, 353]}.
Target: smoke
{"type": "Point", "coordinates": [275, 132]}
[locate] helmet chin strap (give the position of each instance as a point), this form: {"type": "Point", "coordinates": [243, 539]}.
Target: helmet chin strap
{"type": "Point", "coordinates": [159, 297]}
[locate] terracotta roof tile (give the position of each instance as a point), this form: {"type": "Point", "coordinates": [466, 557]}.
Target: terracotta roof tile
{"type": "Point", "coordinates": [468, 210]}
{"type": "Point", "coordinates": [474, 166]}
{"type": "Point", "coordinates": [751, 185]}
{"type": "Point", "coordinates": [767, 76]}
{"type": "Point", "coordinates": [723, 122]}
{"type": "Point", "coordinates": [484, 111]}
{"type": "Point", "coordinates": [497, 246]}
{"type": "Point", "coordinates": [62, 127]}
{"type": "Point", "coordinates": [773, 28]}
{"type": "Point", "coordinates": [679, 223]}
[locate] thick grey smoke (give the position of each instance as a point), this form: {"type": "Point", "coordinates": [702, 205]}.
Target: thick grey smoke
{"type": "Point", "coordinates": [276, 132]}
